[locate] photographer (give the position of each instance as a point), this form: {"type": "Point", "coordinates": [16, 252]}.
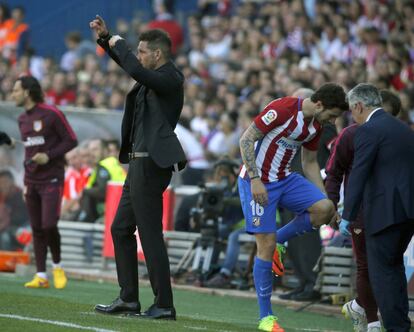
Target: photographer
{"type": "Point", "coordinates": [217, 216]}
{"type": "Point", "coordinates": [225, 175]}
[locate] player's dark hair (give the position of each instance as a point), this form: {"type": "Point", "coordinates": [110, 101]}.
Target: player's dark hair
{"type": "Point", "coordinates": [392, 100]}
{"type": "Point", "coordinates": [157, 39]}
{"type": "Point", "coordinates": [33, 85]}
{"type": "Point", "coordinates": [331, 95]}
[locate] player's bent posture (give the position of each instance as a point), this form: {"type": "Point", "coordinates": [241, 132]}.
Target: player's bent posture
{"type": "Point", "coordinates": [265, 182]}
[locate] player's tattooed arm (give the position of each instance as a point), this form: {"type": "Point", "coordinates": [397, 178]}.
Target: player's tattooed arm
{"type": "Point", "coordinates": [250, 136]}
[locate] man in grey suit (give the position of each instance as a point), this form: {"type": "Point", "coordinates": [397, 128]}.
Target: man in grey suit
{"type": "Point", "coordinates": [151, 148]}
{"type": "Point", "coordinates": [383, 176]}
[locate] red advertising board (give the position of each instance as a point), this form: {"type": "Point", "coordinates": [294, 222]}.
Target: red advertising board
{"type": "Point", "coordinates": [113, 195]}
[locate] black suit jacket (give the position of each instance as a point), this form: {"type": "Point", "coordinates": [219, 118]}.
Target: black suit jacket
{"type": "Point", "coordinates": [163, 93]}
{"type": "Point", "coordinates": [382, 173]}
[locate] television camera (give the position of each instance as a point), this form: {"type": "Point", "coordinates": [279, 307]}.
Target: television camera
{"type": "Point", "coordinates": [208, 215]}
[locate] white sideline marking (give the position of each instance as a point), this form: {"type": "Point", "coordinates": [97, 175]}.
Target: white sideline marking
{"type": "Point", "coordinates": [55, 322]}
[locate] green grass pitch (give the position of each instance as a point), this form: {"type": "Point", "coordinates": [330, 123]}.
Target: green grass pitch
{"type": "Point", "coordinates": [71, 309]}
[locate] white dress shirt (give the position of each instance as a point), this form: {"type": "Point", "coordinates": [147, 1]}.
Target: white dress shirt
{"type": "Point", "coordinates": [370, 114]}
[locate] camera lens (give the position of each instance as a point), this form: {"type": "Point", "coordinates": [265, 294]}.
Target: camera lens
{"type": "Point", "coordinates": [212, 200]}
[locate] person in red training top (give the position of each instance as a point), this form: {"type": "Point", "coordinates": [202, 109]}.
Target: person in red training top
{"type": "Point", "coordinates": [60, 94]}
{"type": "Point", "coordinates": [47, 136]}
{"type": "Point", "coordinates": [165, 21]}
{"type": "Point", "coordinates": [73, 185]}
{"type": "Point", "coordinates": [363, 309]}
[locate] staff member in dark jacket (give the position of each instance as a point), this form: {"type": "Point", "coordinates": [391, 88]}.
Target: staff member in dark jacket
{"type": "Point", "coordinates": [383, 175]}
{"type": "Point", "coordinates": [152, 149]}
{"type": "Point", "coordinates": [47, 136]}
{"type": "Point", "coordinates": [363, 309]}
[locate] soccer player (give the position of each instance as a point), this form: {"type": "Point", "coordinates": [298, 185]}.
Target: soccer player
{"type": "Point", "coordinates": [47, 136]}
{"type": "Point", "coordinates": [265, 182]}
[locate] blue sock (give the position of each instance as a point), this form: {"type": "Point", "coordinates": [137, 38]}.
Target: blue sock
{"type": "Point", "coordinates": [299, 225]}
{"type": "Point", "coordinates": [262, 274]}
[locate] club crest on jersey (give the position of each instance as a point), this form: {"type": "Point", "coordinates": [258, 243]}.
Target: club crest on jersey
{"type": "Point", "coordinates": [269, 117]}
{"type": "Point", "coordinates": [256, 221]}
{"type": "Point", "coordinates": [37, 125]}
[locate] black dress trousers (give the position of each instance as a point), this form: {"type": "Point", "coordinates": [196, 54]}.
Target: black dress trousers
{"type": "Point", "coordinates": [141, 207]}
{"type": "Point", "coordinates": [385, 251]}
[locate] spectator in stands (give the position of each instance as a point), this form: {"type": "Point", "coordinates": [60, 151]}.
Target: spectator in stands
{"type": "Point", "coordinates": [78, 48]}
{"type": "Point", "coordinates": [116, 100]}
{"type": "Point", "coordinates": [197, 164]}
{"type": "Point", "coordinates": [16, 40]}
{"type": "Point", "coordinates": [59, 93]}
{"type": "Point", "coordinates": [73, 186]}
{"type": "Point", "coordinates": [195, 54]}
{"type": "Point", "coordinates": [100, 100]}
{"type": "Point", "coordinates": [84, 100]}
{"type": "Point", "coordinates": [13, 211]}
{"type": "Point", "coordinates": [164, 20]}
{"type": "Point", "coordinates": [113, 148]}
{"type": "Point", "coordinates": [217, 50]}
{"type": "Point", "coordinates": [105, 169]}
{"type": "Point", "coordinates": [4, 16]}
{"type": "Point", "coordinates": [70, 57]}
{"type": "Point", "coordinates": [223, 138]}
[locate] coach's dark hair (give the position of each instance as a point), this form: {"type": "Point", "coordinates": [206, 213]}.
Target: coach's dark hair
{"type": "Point", "coordinates": [33, 85]}
{"type": "Point", "coordinates": [392, 100]}
{"type": "Point", "coordinates": [157, 39]}
{"type": "Point", "coordinates": [331, 95]}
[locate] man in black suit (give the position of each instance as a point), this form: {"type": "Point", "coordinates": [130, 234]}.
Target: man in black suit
{"type": "Point", "coordinates": [149, 144]}
{"type": "Point", "coordinates": [383, 175]}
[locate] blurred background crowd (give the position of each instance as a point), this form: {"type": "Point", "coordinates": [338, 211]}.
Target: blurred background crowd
{"type": "Point", "coordinates": [236, 56]}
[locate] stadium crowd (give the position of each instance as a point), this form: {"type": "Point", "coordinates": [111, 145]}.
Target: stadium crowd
{"type": "Point", "coordinates": [235, 58]}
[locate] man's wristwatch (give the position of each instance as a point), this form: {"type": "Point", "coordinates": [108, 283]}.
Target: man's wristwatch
{"type": "Point", "coordinates": [105, 37]}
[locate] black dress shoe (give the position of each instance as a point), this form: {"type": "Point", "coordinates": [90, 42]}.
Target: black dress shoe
{"type": "Point", "coordinates": [119, 307]}
{"type": "Point", "coordinates": [155, 312]}
{"type": "Point", "coordinates": [288, 296]}
{"type": "Point", "coordinates": [307, 295]}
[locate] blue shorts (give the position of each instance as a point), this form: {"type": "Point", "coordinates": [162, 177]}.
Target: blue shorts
{"type": "Point", "coordinates": [294, 193]}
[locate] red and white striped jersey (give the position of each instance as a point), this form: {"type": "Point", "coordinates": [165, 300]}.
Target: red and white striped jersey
{"type": "Point", "coordinates": [285, 130]}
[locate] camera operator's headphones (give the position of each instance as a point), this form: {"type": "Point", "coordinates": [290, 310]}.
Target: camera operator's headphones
{"type": "Point", "coordinates": [230, 164]}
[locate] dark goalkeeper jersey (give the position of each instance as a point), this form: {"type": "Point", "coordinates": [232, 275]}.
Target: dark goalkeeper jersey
{"type": "Point", "coordinates": [44, 128]}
